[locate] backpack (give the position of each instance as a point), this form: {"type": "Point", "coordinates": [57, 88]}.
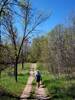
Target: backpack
{"type": "Point", "coordinates": [38, 77]}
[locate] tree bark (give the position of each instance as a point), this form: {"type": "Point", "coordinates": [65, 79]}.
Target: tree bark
{"type": "Point", "coordinates": [15, 69]}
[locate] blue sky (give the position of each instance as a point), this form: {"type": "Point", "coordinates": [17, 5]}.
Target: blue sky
{"type": "Point", "coordinates": [60, 10]}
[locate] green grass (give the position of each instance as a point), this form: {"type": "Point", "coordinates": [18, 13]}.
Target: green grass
{"type": "Point", "coordinates": [8, 83]}
{"type": "Point", "coordinates": [58, 89]}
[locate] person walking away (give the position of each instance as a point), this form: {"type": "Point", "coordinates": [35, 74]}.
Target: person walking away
{"type": "Point", "coordinates": [38, 78]}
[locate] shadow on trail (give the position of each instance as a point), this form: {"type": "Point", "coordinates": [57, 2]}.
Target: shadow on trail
{"type": "Point", "coordinates": [8, 96]}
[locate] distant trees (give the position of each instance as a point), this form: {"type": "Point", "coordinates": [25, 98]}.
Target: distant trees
{"type": "Point", "coordinates": [35, 50]}
{"type": "Point", "coordinates": [4, 54]}
{"type": "Point", "coordinates": [56, 50]}
{"type": "Point", "coordinates": [38, 48]}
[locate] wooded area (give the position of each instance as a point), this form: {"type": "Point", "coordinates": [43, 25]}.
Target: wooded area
{"type": "Point", "coordinates": [54, 51]}
{"type": "Point", "coordinates": [13, 47]}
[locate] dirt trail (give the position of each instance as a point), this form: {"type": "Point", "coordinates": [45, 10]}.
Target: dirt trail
{"type": "Point", "coordinates": [28, 87]}
{"type": "Point", "coordinates": [40, 92]}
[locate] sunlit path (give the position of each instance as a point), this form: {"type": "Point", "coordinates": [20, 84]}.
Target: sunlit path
{"type": "Point", "coordinates": [41, 93]}
{"type": "Point", "coordinates": [28, 87]}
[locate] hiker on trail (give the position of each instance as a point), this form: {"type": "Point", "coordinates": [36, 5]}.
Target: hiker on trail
{"type": "Point", "coordinates": [38, 78]}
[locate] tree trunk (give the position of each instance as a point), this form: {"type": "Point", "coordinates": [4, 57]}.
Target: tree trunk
{"type": "Point", "coordinates": [15, 69]}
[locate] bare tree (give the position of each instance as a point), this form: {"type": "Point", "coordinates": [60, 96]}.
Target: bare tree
{"type": "Point", "coordinates": [31, 22]}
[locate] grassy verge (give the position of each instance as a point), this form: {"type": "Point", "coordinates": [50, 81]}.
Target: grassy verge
{"type": "Point", "coordinates": [8, 83]}
{"type": "Point", "coordinates": [58, 89]}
